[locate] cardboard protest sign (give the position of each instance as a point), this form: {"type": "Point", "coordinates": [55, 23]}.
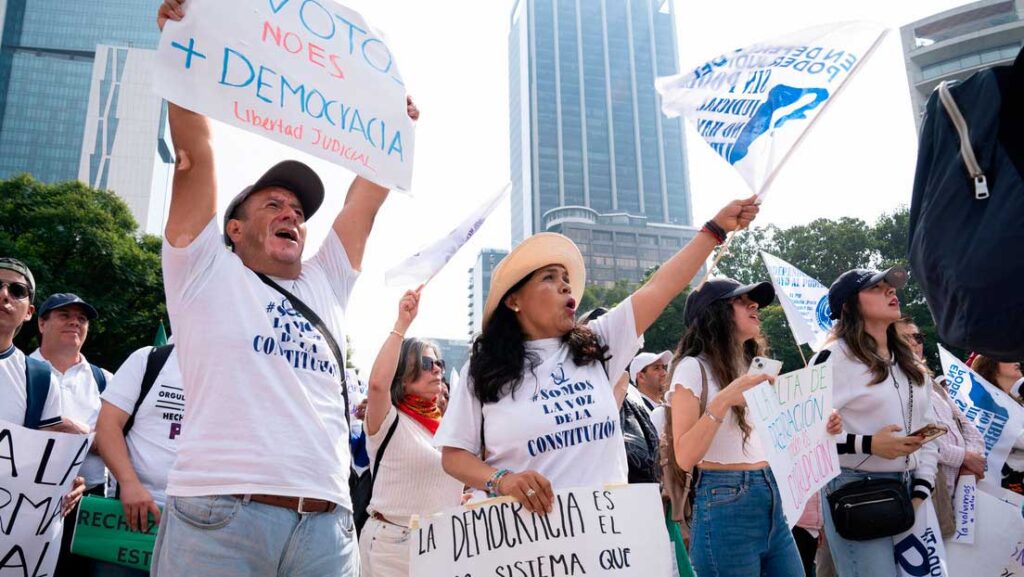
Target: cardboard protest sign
{"type": "Point", "coordinates": [599, 531]}
{"type": "Point", "coordinates": [754, 104]}
{"type": "Point", "coordinates": [310, 74]}
{"type": "Point", "coordinates": [995, 414]}
{"type": "Point", "coordinates": [428, 261]}
{"type": "Point", "coordinates": [101, 532]}
{"type": "Point", "coordinates": [36, 470]}
{"type": "Point", "coordinates": [790, 418]}
{"type": "Point", "coordinates": [998, 548]}
{"type": "Point", "coordinates": [804, 300]}
{"type": "Point", "coordinates": [920, 551]}
{"type": "Point", "coordinates": [964, 509]}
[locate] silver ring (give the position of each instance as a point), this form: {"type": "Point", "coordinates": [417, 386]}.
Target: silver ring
{"type": "Point", "coordinates": [530, 492]}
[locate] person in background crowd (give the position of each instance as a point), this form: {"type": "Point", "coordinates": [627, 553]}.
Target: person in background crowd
{"type": "Point", "coordinates": [807, 534]}
{"type": "Point", "coordinates": [738, 527]}
{"type": "Point", "coordinates": [261, 482]}
{"type": "Point", "coordinates": [496, 434]}
{"type": "Point", "coordinates": [140, 460]}
{"type": "Point", "coordinates": [17, 291]}
{"type": "Point", "coordinates": [879, 390]}
{"type": "Point", "coordinates": [63, 328]}
{"type": "Point", "coordinates": [1008, 377]}
{"type": "Point", "coordinates": [962, 449]}
{"type": "Point", "coordinates": [649, 374]}
{"type": "Point", "coordinates": [405, 386]}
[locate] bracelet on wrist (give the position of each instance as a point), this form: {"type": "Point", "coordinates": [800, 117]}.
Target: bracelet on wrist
{"type": "Point", "coordinates": [713, 417]}
{"type": "Point", "coordinates": [400, 335]}
{"type": "Point", "coordinates": [712, 228]}
{"type": "Point", "coordinates": [492, 484]}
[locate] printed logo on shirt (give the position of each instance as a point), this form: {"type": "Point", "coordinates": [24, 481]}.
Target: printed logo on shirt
{"type": "Point", "coordinates": [170, 402]}
{"type": "Point", "coordinates": [570, 405]}
{"type": "Point", "coordinates": [296, 339]}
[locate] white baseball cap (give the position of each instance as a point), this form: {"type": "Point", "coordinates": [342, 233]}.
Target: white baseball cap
{"type": "Point", "coordinates": [643, 360]}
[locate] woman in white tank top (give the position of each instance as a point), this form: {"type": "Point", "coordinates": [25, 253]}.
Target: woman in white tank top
{"type": "Point", "coordinates": [404, 388]}
{"type": "Point", "coordinates": [738, 528]}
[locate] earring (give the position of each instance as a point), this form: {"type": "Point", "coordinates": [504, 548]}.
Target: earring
{"type": "Point", "coordinates": [515, 309]}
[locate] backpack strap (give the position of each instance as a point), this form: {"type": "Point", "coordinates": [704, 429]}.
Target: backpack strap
{"type": "Point", "coordinates": [154, 364]}
{"type": "Point", "coordinates": [314, 319]}
{"type": "Point", "coordinates": [703, 388]}
{"type": "Point", "coordinates": [37, 389]}
{"type": "Point", "coordinates": [99, 377]}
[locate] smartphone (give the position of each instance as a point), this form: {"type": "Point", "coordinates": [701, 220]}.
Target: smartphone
{"type": "Point", "coordinates": [930, 432]}
{"type": "Point", "coordinates": [764, 366]}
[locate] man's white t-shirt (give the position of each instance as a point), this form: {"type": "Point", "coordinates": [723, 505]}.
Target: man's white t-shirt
{"type": "Point", "coordinates": [153, 438]}
{"type": "Point", "coordinates": [80, 397]}
{"type": "Point", "coordinates": [562, 421]}
{"type": "Point", "coordinates": [13, 395]}
{"type": "Point", "coordinates": [265, 410]}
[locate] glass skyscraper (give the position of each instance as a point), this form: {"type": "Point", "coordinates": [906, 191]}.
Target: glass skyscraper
{"type": "Point", "coordinates": [46, 67]}
{"type": "Point", "coordinates": [589, 145]}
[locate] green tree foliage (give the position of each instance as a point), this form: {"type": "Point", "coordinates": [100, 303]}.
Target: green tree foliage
{"type": "Point", "coordinates": [82, 240]}
{"type": "Point", "coordinates": [824, 249]}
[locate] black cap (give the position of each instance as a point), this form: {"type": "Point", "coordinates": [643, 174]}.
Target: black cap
{"type": "Point", "coordinates": [291, 175]}
{"type": "Point", "coordinates": [718, 289]}
{"type": "Point", "coordinates": [61, 300]}
{"type": "Point", "coordinates": [853, 281]}
{"type": "Point", "coordinates": [22, 269]}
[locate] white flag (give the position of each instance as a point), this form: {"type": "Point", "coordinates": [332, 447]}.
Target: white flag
{"type": "Point", "coordinates": [427, 262]}
{"type": "Point", "coordinates": [804, 300]}
{"type": "Point", "coordinates": [753, 105]}
{"type": "Point", "coordinates": [920, 551]}
{"type": "Point", "coordinates": [995, 414]}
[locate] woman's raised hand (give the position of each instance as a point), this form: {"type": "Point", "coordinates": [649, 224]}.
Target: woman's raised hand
{"type": "Point", "coordinates": [738, 214]}
{"type": "Point", "coordinates": [408, 308]}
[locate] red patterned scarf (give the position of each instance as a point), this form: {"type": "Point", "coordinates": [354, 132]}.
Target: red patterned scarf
{"type": "Point", "coordinates": [425, 411]}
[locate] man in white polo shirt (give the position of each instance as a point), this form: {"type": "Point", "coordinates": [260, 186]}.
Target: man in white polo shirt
{"type": "Point", "coordinates": [63, 329]}
{"type": "Point", "coordinates": [260, 484]}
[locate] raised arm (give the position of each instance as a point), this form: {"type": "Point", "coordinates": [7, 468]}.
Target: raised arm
{"type": "Point", "coordinates": [676, 273]}
{"type": "Point", "coordinates": [362, 203]}
{"type": "Point", "coordinates": [378, 399]}
{"type": "Point", "coordinates": [194, 190]}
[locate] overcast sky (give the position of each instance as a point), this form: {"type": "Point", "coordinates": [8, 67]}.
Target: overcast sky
{"type": "Point", "coordinates": [858, 161]}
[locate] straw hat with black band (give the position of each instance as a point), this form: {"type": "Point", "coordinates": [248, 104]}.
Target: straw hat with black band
{"type": "Point", "coordinates": [540, 250]}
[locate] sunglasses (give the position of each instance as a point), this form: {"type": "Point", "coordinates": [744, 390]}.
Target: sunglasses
{"type": "Point", "coordinates": [17, 290]}
{"type": "Point", "coordinates": [917, 338]}
{"type": "Point", "coordinates": [427, 364]}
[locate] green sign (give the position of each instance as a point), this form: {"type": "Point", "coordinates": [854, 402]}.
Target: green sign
{"type": "Point", "coordinates": [101, 532]}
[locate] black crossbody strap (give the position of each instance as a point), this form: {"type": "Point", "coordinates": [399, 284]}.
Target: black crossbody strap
{"type": "Point", "coordinates": [312, 317]}
{"type": "Point", "coordinates": [155, 362]}
{"type": "Point", "coordinates": [383, 446]}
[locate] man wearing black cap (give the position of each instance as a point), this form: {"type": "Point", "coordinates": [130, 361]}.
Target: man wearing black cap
{"type": "Point", "coordinates": [260, 483]}
{"type": "Point", "coordinates": [63, 328]}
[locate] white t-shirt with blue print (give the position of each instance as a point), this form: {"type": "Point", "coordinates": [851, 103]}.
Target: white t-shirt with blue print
{"type": "Point", "coordinates": [562, 421]}
{"type": "Point", "coordinates": [265, 411]}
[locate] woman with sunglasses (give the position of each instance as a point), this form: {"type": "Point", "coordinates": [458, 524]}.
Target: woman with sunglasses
{"type": "Point", "coordinates": [404, 388]}
{"type": "Point", "coordinates": [880, 390]}
{"type": "Point", "coordinates": [536, 412]}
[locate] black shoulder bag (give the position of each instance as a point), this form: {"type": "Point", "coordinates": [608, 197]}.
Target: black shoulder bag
{"type": "Point", "coordinates": [874, 508]}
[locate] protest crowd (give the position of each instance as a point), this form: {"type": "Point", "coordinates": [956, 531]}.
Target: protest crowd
{"type": "Point", "coordinates": [244, 447]}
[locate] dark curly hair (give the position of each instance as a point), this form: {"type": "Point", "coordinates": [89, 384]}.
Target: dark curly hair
{"type": "Point", "coordinates": [499, 358]}
{"type": "Point", "coordinates": [712, 335]}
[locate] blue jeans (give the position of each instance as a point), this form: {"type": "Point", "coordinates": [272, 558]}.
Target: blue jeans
{"type": "Point", "coordinates": [225, 536]}
{"type": "Point", "coordinates": [739, 528]}
{"type": "Point", "coordinates": [874, 558]}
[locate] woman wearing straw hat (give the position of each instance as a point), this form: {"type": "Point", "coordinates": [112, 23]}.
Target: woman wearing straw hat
{"type": "Point", "coordinates": [536, 412]}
